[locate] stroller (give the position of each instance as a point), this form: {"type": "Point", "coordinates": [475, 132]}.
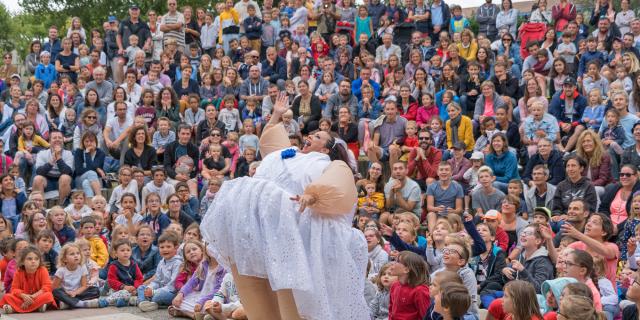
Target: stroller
{"type": "Point", "coordinates": [530, 31]}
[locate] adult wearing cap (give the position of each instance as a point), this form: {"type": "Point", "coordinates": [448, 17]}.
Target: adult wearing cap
{"type": "Point", "coordinates": [424, 161]}
{"type": "Point", "coordinates": [14, 81]}
{"type": "Point", "coordinates": [130, 26]}
{"type": "Point", "coordinates": [502, 161]}
{"type": "Point", "coordinates": [616, 201]}
{"type": "Point", "coordinates": [546, 156]}
{"type": "Point", "coordinates": [568, 106]}
{"type": "Point", "coordinates": [540, 192]}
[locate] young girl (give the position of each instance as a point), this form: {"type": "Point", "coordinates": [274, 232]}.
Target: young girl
{"type": "Point", "coordinates": [427, 111]}
{"type": "Point", "coordinates": [193, 253]}
{"type": "Point", "coordinates": [592, 78]}
{"type": "Point", "coordinates": [380, 304]}
{"type": "Point", "coordinates": [608, 293]}
{"type": "Point", "coordinates": [613, 137]}
{"type": "Point", "coordinates": [129, 217]}
{"type": "Point", "coordinates": [594, 112]}
{"type": "Point", "coordinates": [127, 185]}
{"type": "Point", "coordinates": [623, 79]}
{"type": "Point", "coordinates": [215, 165]}
{"type": "Point", "coordinates": [70, 286]}
{"type": "Point", "coordinates": [29, 144]}
{"type": "Point", "coordinates": [581, 307]}
{"type": "Point", "coordinates": [633, 220]}
{"type": "Point", "coordinates": [409, 296]}
{"type": "Point", "coordinates": [207, 90]}
{"type": "Point", "coordinates": [201, 287]}
{"type": "Point", "coordinates": [15, 249]}
{"type": "Point", "coordinates": [242, 169]}
{"type": "Point", "coordinates": [327, 88]}
{"type": "Point", "coordinates": [124, 277]}
{"type": "Point", "coordinates": [29, 209]}
{"type": "Point", "coordinates": [78, 208]}
{"type": "Point", "coordinates": [410, 140]}
{"type": "Point", "coordinates": [438, 135]}
{"type": "Point", "coordinates": [93, 270]}
{"type": "Point", "coordinates": [364, 23]}
{"type": "Point", "coordinates": [580, 267]}
{"type": "Point", "coordinates": [519, 302]}
{"type": "Point", "coordinates": [558, 73]}
{"type": "Point", "coordinates": [31, 288]}
{"type": "Point", "coordinates": [248, 138]}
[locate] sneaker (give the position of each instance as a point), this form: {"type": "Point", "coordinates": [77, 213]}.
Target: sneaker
{"type": "Point", "coordinates": [146, 306]}
{"type": "Point", "coordinates": [208, 317]}
{"type": "Point", "coordinates": [133, 301]}
{"type": "Point", "coordinates": [43, 308]}
{"type": "Point", "coordinates": [121, 302]}
{"type": "Point", "coordinates": [8, 309]}
{"type": "Point", "coordinates": [62, 306]}
{"type": "Point", "coordinates": [102, 303]}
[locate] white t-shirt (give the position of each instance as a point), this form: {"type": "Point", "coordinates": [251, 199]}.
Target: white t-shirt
{"type": "Point", "coordinates": [71, 279]}
{"type": "Point", "coordinates": [116, 128]}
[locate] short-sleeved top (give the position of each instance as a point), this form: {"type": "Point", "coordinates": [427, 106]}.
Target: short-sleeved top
{"type": "Point", "coordinates": [445, 197]}
{"type": "Point", "coordinates": [410, 192]}
{"type": "Point", "coordinates": [116, 128]}
{"type": "Point", "coordinates": [391, 131]}
{"type": "Point", "coordinates": [71, 279]}
{"type": "Point", "coordinates": [487, 201]}
{"type": "Point", "coordinates": [610, 264]}
{"type": "Point", "coordinates": [176, 34]}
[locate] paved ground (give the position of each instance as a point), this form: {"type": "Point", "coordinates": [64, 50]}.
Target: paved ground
{"type": "Point", "coordinates": [111, 313]}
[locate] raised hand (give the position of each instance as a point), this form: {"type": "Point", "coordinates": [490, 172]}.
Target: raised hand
{"type": "Point", "coordinates": [281, 106]}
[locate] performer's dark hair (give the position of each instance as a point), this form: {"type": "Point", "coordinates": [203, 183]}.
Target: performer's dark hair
{"type": "Point", "coordinates": [337, 150]}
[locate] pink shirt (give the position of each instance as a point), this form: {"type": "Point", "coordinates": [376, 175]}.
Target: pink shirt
{"type": "Point", "coordinates": [618, 209]}
{"type": "Point", "coordinates": [610, 264]}
{"type": "Point", "coordinates": [488, 108]}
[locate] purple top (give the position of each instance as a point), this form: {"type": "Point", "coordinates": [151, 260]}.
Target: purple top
{"type": "Point", "coordinates": [195, 283]}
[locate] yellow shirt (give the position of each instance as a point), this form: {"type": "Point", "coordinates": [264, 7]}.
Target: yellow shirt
{"type": "Point", "coordinates": [228, 18]}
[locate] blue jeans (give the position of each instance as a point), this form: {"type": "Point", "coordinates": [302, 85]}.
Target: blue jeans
{"type": "Point", "coordinates": [161, 296]}
{"type": "Point", "coordinates": [501, 186]}
{"type": "Point", "coordinates": [14, 222]}
{"type": "Point", "coordinates": [85, 180]}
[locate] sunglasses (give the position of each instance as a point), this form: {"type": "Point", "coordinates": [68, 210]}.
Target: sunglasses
{"type": "Point", "coordinates": [215, 134]}
{"type": "Point", "coordinates": [90, 117]}
{"type": "Point", "coordinates": [424, 138]}
{"type": "Point", "coordinates": [626, 175]}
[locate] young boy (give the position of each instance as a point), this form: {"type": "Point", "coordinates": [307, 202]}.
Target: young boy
{"type": "Point", "coordinates": [371, 204]}
{"type": "Point", "coordinates": [229, 115]}
{"type": "Point", "coordinates": [253, 28]}
{"type": "Point", "coordinates": [162, 137]}
{"type": "Point", "coordinates": [158, 185]}
{"type": "Point", "coordinates": [269, 36]}
{"type": "Point", "coordinates": [458, 21]}
{"type": "Point", "coordinates": [7, 255]}
{"type": "Point", "coordinates": [45, 241]}
{"type": "Point", "coordinates": [161, 290]}
{"type": "Point", "coordinates": [130, 51]}
{"type": "Point", "coordinates": [452, 301]}
{"type": "Point", "coordinates": [45, 70]}
{"type": "Point", "coordinates": [482, 143]}
{"type": "Point", "coordinates": [208, 34]}
{"type": "Point", "coordinates": [487, 197]}
{"type": "Point", "coordinates": [493, 218]}
{"type": "Point", "coordinates": [194, 56]}
{"type": "Point", "coordinates": [567, 50]}
{"type": "Point", "coordinates": [591, 54]}
{"type": "Point", "coordinates": [99, 252]}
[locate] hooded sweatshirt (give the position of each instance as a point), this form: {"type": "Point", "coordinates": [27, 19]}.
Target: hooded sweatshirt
{"type": "Point", "coordinates": [537, 268]}
{"type": "Point", "coordinates": [166, 273]}
{"type": "Point", "coordinates": [555, 286]}
{"type": "Point", "coordinates": [566, 191]}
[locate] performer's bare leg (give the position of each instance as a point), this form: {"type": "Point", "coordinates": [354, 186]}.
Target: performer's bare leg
{"type": "Point", "coordinates": [287, 305]}
{"type": "Point", "coordinates": [258, 300]}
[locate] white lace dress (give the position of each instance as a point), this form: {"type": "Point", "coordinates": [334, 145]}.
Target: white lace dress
{"type": "Point", "coordinates": [253, 224]}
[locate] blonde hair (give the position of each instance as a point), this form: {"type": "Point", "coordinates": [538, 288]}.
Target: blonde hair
{"type": "Point", "coordinates": [82, 243]}
{"type": "Point", "coordinates": [575, 307]}
{"type": "Point", "coordinates": [67, 219]}
{"type": "Point", "coordinates": [596, 156]}
{"type": "Point", "coordinates": [117, 229]}
{"type": "Point", "coordinates": [412, 230]}
{"type": "Point", "coordinates": [63, 254]}
{"type": "Point", "coordinates": [486, 169]}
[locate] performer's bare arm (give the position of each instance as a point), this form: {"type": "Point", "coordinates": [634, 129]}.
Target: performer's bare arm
{"type": "Point", "coordinates": [274, 136]}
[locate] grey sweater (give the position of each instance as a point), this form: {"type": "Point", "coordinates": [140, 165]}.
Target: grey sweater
{"type": "Point", "coordinates": [166, 274]}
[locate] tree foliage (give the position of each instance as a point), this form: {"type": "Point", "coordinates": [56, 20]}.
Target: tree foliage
{"type": "Point", "coordinates": [6, 25]}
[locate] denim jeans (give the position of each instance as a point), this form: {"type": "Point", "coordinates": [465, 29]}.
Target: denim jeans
{"type": "Point", "coordinates": [85, 180]}
{"type": "Point", "coordinates": [161, 296]}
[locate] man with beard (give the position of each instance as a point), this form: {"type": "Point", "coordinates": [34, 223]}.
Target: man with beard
{"type": "Point", "coordinates": [577, 215]}
{"type": "Point", "coordinates": [424, 160]}
{"type": "Point", "coordinates": [344, 97]}
{"type": "Point", "coordinates": [401, 193]}
{"type": "Point", "coordinates": [606, 33]}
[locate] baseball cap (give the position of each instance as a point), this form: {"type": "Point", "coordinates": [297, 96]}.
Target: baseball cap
{"type": "Point", "coordinates": [134, 6]}
{"type": "Point", "coordinates": [569, 81]}
{"type": "Point", "coordinates": [460, 145]}
{"type": "Point", "coordinates": [542, 211]}
{"type": "Point", "coordinates": [45, 53]}
{"type": "Point", "coordinates": [15, 75]}
{"type": "Point", "coordinates": [493, 215]}
{"type": "Point", "coordinates": [112, 19]}
{"type": "Point", "coordinates": [477, 155]}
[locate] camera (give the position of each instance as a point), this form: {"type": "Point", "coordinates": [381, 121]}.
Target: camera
{"type": "Point", "coordinates": [326, 6]}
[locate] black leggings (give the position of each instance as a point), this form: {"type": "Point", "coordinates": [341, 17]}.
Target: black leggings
{"type": "Point", "coordinates": [88, 294]}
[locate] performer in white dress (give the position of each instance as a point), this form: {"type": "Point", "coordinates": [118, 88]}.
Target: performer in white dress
{"type": "Point", "coordinates": [286, 233]}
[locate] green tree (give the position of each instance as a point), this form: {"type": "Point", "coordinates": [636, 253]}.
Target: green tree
{"type": "Point", "coordinates": [6, 25]}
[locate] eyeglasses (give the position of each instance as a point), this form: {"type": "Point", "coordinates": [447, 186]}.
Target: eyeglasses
{"type": "Point", "coordinates": [90, 117]}
{"type": "Point", "coordinates": [174, 201]}
{"type": "Point", "coordinates": [625, 174]}
{"type": "Point", "coordinates": [215, 135]}
{"type": "Point", "coordinates": [448, 251]}
{"type": "Point", "coordinates": [424, 138]}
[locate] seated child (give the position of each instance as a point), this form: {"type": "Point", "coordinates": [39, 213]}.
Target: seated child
{"type": "Point", "coordinates": [44, 243]}
{"type": "Point", "coordinates": [61, 225]}
{"type": "Point", "coordinates": [99, 252]}
{"type": "Point", "coordinates": [161, 290]}
{"type": "Point", "coordinates": [93, 270]}
{"type": "Point", "coordinates": [70, 283]}
{"type": "Point", "coordinates": [30, 283]}
{"type": "Point", "coordinates": [78, 208]}
{"type": "Point", "coordinates": [15, 250]}
{"type": "Point", "coordinates": [226, 302]}
{"type": "Point", "coordinates": [124, 277]}
{"type": "Point", "coordinates": [372, 203]}
{"type": "Point", "coordinates": [380, 304]}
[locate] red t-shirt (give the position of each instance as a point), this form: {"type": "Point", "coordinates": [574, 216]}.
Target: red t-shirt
{"type": "Point", "coordinates": [496, 310]}
{"type": "Point", "coordinates": [408, 303]}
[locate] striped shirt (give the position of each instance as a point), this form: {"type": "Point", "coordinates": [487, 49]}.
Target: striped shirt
{"type": "Point", "coordinates": [176, 34]}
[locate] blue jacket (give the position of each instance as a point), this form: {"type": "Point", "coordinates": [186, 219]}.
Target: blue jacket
{"type": "Point", "coordinates": [158, 224]}
{"type": "Point", "coordinates": [504, 166]}
{"type": "Point", "coordinates": [20, 199]}
{"type": "Point", "coordinates": [83, 163]}
{"type": "Point", "coordinates": [356, 88]}
{"type": "Point", "coordinates": [276, 72]}
{"type": "Point", "coordinates": [147, 263]}
{"type": "Point", "coordinates": [588, 56]}
{"type": "Point", "coordinates": [47, 74]}
{"type": "Point", "coordinates": [252, 27]}
{"type": "Point", "coordinates": [557, 106]}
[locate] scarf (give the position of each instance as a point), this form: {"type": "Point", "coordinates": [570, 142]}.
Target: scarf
{"type": "Point", "coordinates": [126, 274]}
{"type": "Point", "coordinates": [455, 123]}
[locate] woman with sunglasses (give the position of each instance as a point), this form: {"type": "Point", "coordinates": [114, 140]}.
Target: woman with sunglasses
{"type": "Point", "coordinates": [632, 311]}
{"type": "Point", "coordinates": [7, 69]}
{"type": "Point", "coordinates": [616, 201]}
{"type": "Point", "coordinates": [88, 122]}
{"type": "Point", "coordinates": [507, 47]}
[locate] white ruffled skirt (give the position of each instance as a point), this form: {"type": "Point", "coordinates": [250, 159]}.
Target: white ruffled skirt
{"type": "Point", "coordinates": [253, 224]}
